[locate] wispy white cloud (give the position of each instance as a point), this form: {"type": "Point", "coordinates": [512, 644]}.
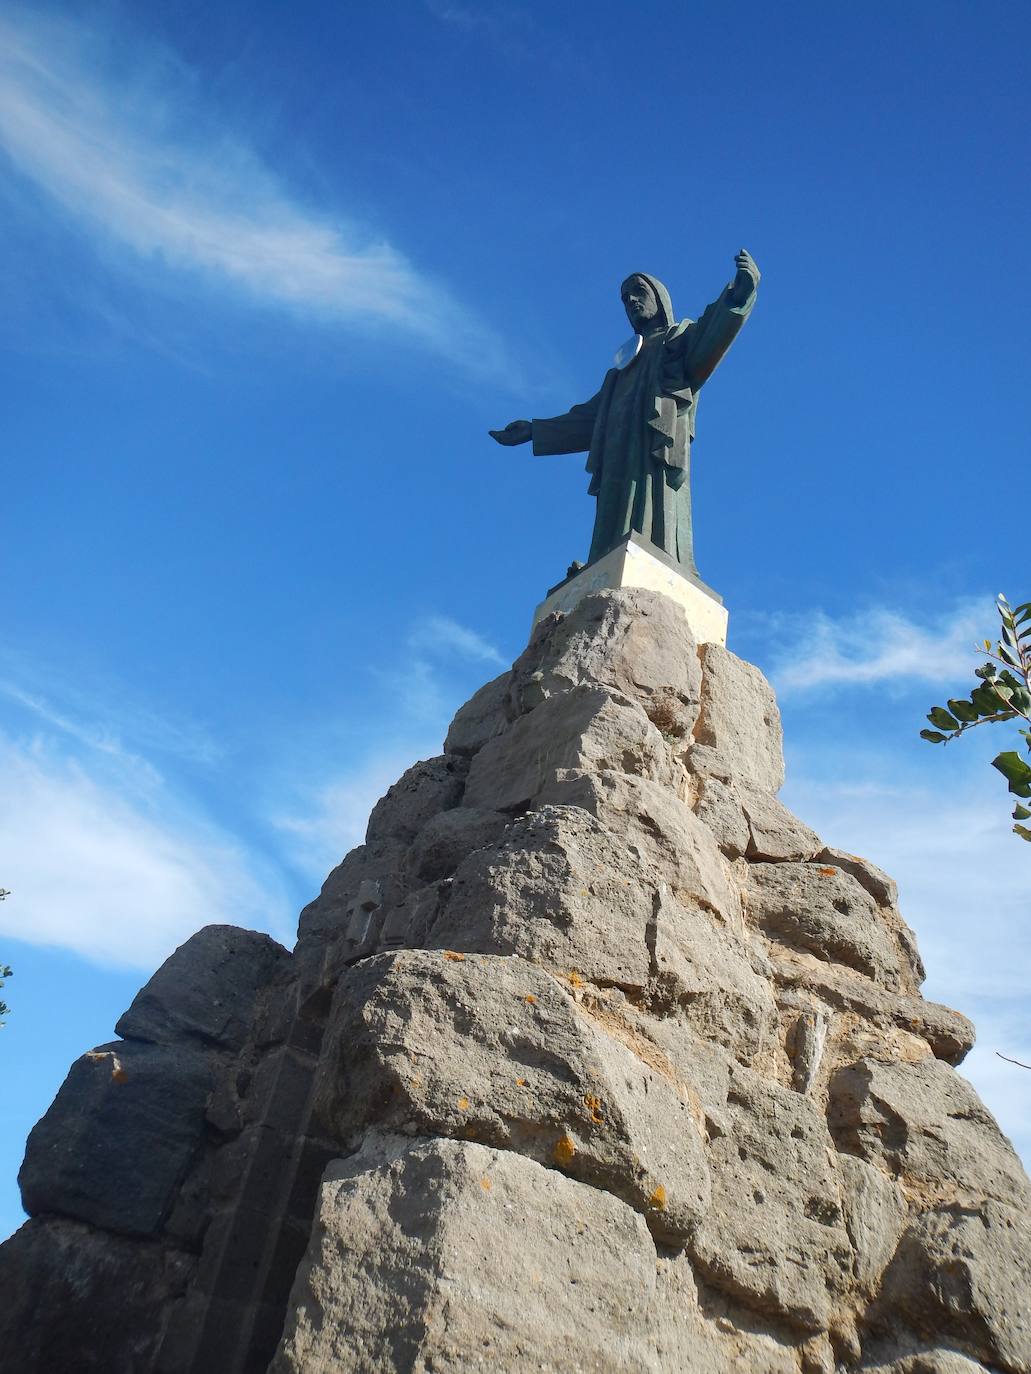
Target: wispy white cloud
{"type": "Point", "coordinates": [129, 153]}
{"type": "Point", "coordinates": [102, 720]}
{"type": "Point", "coordinates": [101, 862]}
{"type": "Point", "coordinates": [877, 646]}
{"type": "Point", "coordinates": [438, 635]}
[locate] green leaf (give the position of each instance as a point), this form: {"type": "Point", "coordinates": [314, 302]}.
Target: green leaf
{"type": "Point", "coordinates": [986, 701]}
{"type": "Point", "coordinates": [933, 736]}
{"type": "Point", "coordinates": [1021, 813]}
{"type": "Point", "coordinates": [1009, 655]}
{"type": "Point", "coordinates": [1012, 766]}
{"type": "Point", "coordinates": [938, 715]}
{"type": "Point", "coordinates": [964, 711]}
{"type": "Point", "coordinates": [1014, 770]}
{"type": "Point", "coordinates": [1022, 831]}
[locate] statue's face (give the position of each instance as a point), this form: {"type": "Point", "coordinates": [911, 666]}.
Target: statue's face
{"type": "Point", "coordinates": [640, 304]}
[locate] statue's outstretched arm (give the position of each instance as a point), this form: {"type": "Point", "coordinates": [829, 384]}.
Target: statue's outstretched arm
{"type": "Point", "coordinates": [710, 336]}
{"type": "Point", "coordinates": [568, 433]}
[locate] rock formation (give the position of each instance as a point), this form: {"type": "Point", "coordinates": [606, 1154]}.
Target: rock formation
{"type": "Point", "coordinates": [592, 1058]}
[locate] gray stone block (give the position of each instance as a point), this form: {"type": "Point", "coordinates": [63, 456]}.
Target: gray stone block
{"type": "Point", "coordinates": [635, 641]}
{"type": "Point", "coordinates": [482, 717]}
{"type": "Point", "coordinates": [406, 1269]}
{"type": "Point", "coordinates": [117, 1141]}
{"type": "Point", "coordinates": [556, 891]}
{"type": "Point", "coordinates": [774, 1237]}
{"type": "Point", "coordinates": [80, 1301]}
{"type": "Point", "coordinates": [738, 736]}
{"type": "Point", "coordinates": [823, 910]}
{"type": "Point", "coordinates": [966, 1273]}
{"type": "Point", "coordinates": [446, 839]}
{"type": "Point", "coordinates": [426, 789]}
{"type": "Point", "coordinates": [206, 990]}
{"type": "Point", "coordinates": [589, 728]}
{"type": "Point", "coordinates": [927, 1127]}
{"type": "Point", "coordinates": [493, 1049]}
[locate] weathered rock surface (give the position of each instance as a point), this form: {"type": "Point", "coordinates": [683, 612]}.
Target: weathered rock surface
{"type": "Point", "coordinates": [825, 911]}
{"type": "Point", "coordinates": [621, 1068]}
{"type": "Point", "coordinates": [746, 821]}
{"type": "Point", "coordinates": [555, 892]}
{"type": "Point", "coordinates": [206, 990]}
{"type": "Point", "coordinates": [405, 1271]}
{"type": "Point", "coordinates": [633, 641]}
{"type": "Point", "coordinates": [924, 1125]}
{"type": "Point", "coordinates": [118, 1140]}
{"type": "Point", "coordinates": [928, 1360]}
{"type": "Point", "coordinates": [407, 1268]}
{"type": "Point", "coordinates": [483, 716]}
{"type": "Point", "coordinates": [590, 728]}
{"type": "Point", "coordinates": [429, 787]}
{"type": "Point", "coordinates": [966, 1271]}
{"type": "Point", "coordinates": [492, 1049]}
{"type": "Point", "coordinates": [738, 736]}
{"type": "Point", "coordinates": [80, 1301]}
{"type": "Point", "coordinates": [775, 1237]}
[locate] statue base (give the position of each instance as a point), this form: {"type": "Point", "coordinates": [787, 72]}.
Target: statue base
{"type": "Point", "coordinates": [636, 562]}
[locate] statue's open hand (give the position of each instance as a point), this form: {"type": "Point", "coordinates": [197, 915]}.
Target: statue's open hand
{"type": "Point", "coordinates": [747, 278]}
{"type": "Point", "coordinates": [518, 432]}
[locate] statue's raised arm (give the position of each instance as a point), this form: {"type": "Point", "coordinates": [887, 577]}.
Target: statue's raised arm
{"type": "Point", "coordinates": [637, 430]}
{"type": "Point", "coordinates": [709, 337]}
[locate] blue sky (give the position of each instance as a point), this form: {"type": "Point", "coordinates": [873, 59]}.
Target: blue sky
{"type": "Point", "coordinates": [270, 272]}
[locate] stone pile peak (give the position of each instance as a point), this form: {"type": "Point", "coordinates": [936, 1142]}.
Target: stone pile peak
{"type": "Point", "coordinates": [592, 1057]}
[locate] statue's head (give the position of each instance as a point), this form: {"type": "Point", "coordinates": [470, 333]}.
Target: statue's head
{"type": "Point", "coordinates": [646, 302]}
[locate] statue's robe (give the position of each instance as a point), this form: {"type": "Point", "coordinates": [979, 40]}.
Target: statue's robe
{"type": "Point", "coordinates": [637, 431]}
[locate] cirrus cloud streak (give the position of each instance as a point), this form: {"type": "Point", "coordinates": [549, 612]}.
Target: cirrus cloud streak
{"type": "Point", "coordinates": [130, 154]}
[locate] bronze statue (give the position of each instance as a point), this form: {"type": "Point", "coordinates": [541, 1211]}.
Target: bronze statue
{"type": "Point", "coordinates": [637, 430]}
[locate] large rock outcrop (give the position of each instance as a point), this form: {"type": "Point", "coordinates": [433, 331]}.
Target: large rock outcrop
{"type": "Point", "coordinates": [592, 1057]}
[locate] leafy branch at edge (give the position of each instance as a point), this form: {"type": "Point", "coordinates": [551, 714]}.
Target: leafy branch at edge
{"type": "Point", "coordinates": [1004, 693]}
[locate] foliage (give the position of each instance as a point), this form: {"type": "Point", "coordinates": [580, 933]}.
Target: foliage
{"type": "Point", "coordinates": [1004, 693]}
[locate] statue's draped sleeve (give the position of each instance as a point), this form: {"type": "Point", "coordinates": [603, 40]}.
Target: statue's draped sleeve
{"type": "Point", "coordinates": [694, 352]}
{"type": "Point", "coordinates": [569, 433]}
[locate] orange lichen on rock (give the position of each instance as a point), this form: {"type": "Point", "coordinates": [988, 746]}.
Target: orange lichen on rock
{"type": "Point", "coordinates": [575, 980]}
{"type": "Point", "coordinates": [565, 1149]}
{"type": "Point", "coordinates": [454, 956]}
{"type": "Point", "coordinates": [485, 1184]}
{"type": "Point", "coordinates": [828, 872]}
{"type": "Point", "coordinates": [531, 999]}
{"type": "Point", "coordinates": [463, 1104]}
{"type": "Point", "coordinates": [658, 1199]}
{"type": "Point", "coordinates": [593, 1105]}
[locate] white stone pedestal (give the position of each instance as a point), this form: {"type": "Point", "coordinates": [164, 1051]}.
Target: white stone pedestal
{"type": "Point", "coordinates": [637, 563]}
